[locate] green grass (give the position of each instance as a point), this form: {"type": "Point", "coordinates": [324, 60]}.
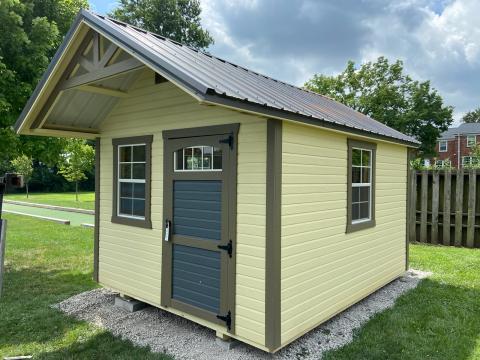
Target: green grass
{"type": "Point", "coordinates": [86, 200]}
{"type": "Point", "coordinates": [440, 319]}
{"type": "Point", "coordinates": [44, 266]}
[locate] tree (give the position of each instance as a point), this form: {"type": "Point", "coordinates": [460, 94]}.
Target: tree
{"type": "Point", "coordinates": [23, 165]}
{"type": "Point", "coordinates": [472, 116]}
{"type": "Point", "coordinates": [382, 91]}
{"type": "Point", "coordinates": [175, 19]}
{"type": "Point", "coordinates": [30, 32]}
{"type": "Point", "coordinates": [77, 159]}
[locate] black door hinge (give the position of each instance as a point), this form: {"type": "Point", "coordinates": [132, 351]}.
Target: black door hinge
{"type": "Point", "coordinates": [228, 141]}
{"type": "Point", "coordinates": [228, 248]}
{"type": "Point", "coordinates": [227, 318]}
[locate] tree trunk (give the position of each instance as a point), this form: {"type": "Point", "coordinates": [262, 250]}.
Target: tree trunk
{"type": "Point", "coordinates": [26, 186]}
{"type": "Point", "coordinates": [76, 191]}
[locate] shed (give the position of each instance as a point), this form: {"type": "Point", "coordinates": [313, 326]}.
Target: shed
{"type": "Point", "coordinates": [245, 204]}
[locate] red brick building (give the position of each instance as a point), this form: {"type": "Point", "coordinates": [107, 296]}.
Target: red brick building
{"type": "Point", "coordinates": [456, 144]}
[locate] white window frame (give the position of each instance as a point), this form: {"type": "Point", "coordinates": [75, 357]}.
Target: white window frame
{"type": "Point", "coordinates": [369, 185]}
{"type": "Point", "coordinates": [440, 163]}
{"type": "Point", "coordinates": [469, 137]}
{"type": "Point", "coordinates": [445, 142]}
{"type": "Point", "coordinates": [130, 181]}
{"type": "Point", "coordinates": [193, 170]}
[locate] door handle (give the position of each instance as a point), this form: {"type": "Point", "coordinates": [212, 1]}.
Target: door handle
{"type": "Point", "coordinates": [168, 225]}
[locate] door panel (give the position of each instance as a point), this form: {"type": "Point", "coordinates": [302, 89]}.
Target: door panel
{"type": "Point", "coordinates": [198, 256]}
{"type": "Point", "coordinates": [197, 209]}
{"type": "Point", "coordinates": [196, 277]}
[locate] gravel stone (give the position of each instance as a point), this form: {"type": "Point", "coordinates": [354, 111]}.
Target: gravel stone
{"type": "Point", "coordinates": [167, 333]}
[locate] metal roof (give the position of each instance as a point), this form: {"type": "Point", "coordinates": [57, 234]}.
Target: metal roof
{"type": "Point", "coordinates": [217, 81]}
{"type": "Point", "coordinates": [463, 129]}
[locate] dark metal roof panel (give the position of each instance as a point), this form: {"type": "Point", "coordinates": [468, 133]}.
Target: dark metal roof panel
{"type": "Point", "coordinates": [215, 79]}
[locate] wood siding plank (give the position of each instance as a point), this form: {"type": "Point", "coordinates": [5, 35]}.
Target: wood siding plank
{"type": "Point", "coordinates": [447, 194]}
{"type": "Point", "coordinates": [472, 194]}
{"type": "Point", "coordinates": [424, 207]}
{"type": "Point", "coordinates": [435, 204]}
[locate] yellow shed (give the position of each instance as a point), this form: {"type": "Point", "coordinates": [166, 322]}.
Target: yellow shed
{"type": "Point", "coordinates": [248, 205]}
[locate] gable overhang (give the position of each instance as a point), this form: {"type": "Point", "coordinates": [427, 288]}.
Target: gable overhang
{"type": "Point", "coordinates": [44, 96]}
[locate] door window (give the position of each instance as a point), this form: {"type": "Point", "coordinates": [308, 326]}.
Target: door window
{"type": "Point", "coordinates": [198, 158]}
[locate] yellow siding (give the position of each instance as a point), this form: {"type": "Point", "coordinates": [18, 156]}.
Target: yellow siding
{"type": "Point", "coordinates": [324, 270]}
{"type": "Point", "coordinates": [130, 257]}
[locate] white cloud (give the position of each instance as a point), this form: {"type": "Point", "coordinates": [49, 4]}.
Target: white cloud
{"type": "Point", "coordinates": [438, 40]}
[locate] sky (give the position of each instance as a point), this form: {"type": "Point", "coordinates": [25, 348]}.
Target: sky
{"type": "Point", "coordinates": [291, 40]}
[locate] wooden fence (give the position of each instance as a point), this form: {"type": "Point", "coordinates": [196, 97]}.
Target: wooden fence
{"type": "Point", "coordinates": [444, 207]}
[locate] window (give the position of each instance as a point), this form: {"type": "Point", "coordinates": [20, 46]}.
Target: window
{"type": "Point", "coordinates": [131, 184]}
{"type": "Point", "coordinates": [361, 185]}
{"type": "Point", "coordinates": [440, 163]}
{"type": "Point", "coordinates": [198, 158]}
{"type": "Point", "coordinates": [442, 146]}
{"type": "Point", "coordinates": [471, 140]}
{"type": "Point", "coordinates": [469, 160]}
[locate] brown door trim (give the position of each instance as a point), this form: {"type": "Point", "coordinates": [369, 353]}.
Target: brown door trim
{"type": "Point", "coordinates": [174, 139]}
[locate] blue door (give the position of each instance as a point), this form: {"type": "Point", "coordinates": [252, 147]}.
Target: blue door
{"type": "Point", "coordinates": [198, 235]}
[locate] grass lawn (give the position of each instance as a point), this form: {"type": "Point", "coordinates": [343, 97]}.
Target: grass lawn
{"type": "Point", "coordinates": [438, 320]}
{"type": "Point", "coordinates": [44, 266]}
{"type": "Point", "coordinates": [86, 200]}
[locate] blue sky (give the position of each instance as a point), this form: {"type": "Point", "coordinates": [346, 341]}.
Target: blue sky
{"type": "Point", "coordinates": [102, 6]}
{"type": "Point", "coordinates": [438, 40]}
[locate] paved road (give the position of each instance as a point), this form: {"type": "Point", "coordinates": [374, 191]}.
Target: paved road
{"type": "Point", "coordinates": [76, 219]}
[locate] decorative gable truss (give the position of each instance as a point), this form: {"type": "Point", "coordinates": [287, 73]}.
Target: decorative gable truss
{"type": "Point", "coordinates": [99, 68]}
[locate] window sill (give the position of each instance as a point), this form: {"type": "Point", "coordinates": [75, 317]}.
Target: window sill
{"type": "Point", "coordinates": [146, 224]}
{"type": "Point", "coordinates": [360, 226]}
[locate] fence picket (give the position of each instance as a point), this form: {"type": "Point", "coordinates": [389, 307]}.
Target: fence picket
{"type": "Point", "coordinates": [447, 193]}
{"type": "Point", "coordinates": [435, 203]}
{"type": "Point", "coordinates": [472, 194]}
{"type": "Point", "coordinates": [459, 209]}
{"type": "Point", "coordinates": [424, 207]}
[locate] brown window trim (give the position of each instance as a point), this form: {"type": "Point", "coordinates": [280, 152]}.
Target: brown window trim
{"type": "Point", "coordinates": [370, 223]}
{"type": "Point", "coordinates": [147, 140]}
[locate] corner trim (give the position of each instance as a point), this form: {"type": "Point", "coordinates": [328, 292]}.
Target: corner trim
{"type": "Point", "coordinates": [273, 235]}
{"type": "Point", "coordinates": [351, 143]}
{"type": "Point", "coordinates": [148, 140]}
{"type": "Point", "coordinates": [96, 232]}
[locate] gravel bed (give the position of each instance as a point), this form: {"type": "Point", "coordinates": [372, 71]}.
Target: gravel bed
{"type": "Point", "coordinates": [167, 333]}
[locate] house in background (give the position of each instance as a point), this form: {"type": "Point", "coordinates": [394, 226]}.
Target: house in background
{"type": "Point", "coordinates": [245, 204]}
{"type": "Point", "coordinates": [456, 144]}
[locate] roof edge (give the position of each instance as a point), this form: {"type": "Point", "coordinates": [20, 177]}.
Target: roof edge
{"type": "Point", "coordinates": [265, 110]}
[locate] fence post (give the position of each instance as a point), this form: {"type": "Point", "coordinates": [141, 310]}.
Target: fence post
{"type": "Point", "coordinates": [435, 201]}
{"type": "Point", "coordinates": [413, 206]}
{"type": "Point", "coordinates": [447, 193]}
{"type": "Point", "coordinates": [459, 209]}
{"type": "Point", "coordinates": [424, 207]}
{"type": "Point", "coordinates": [472, 194]}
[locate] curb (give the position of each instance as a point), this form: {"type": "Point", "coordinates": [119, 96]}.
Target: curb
{"type": "Point", "coordinates": [51, 207]}
{"type": "Point", "coordinates": [59, 221]}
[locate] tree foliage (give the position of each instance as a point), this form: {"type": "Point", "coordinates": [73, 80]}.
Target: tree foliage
{"type": "Point", "coordinates": [176, 19]}
{"type": "Point", "coordinates": [23, 165]}
{"type": "Point", "coordinates": [77, 159]}
{"type": "Point", "coordinates": [30, 32]}
{"type": "Point", "coordinates": [382, 91]}
{"type": "Point", "coordinates": [472, 116]}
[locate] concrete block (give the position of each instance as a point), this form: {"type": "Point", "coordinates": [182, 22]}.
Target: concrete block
{"type": "Point", "coordinates": [131, 305]}
{"type": "Point", "coordinates": [227, 344]}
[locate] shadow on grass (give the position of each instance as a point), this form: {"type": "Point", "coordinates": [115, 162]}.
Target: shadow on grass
{"type": "Point", "coordinates": [102, 346]}
{"type": "Point", "coordinates": [29, 325]}
{"type": "Point", "coordinates": [434, 321]}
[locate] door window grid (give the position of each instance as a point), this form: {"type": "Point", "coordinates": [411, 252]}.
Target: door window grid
{"type": "Point", "coordinates": [361, 185]}
{"type": "Point", "coordinates": [131, 181]}
{"type": "Point", "coordinates": [198, 158]}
